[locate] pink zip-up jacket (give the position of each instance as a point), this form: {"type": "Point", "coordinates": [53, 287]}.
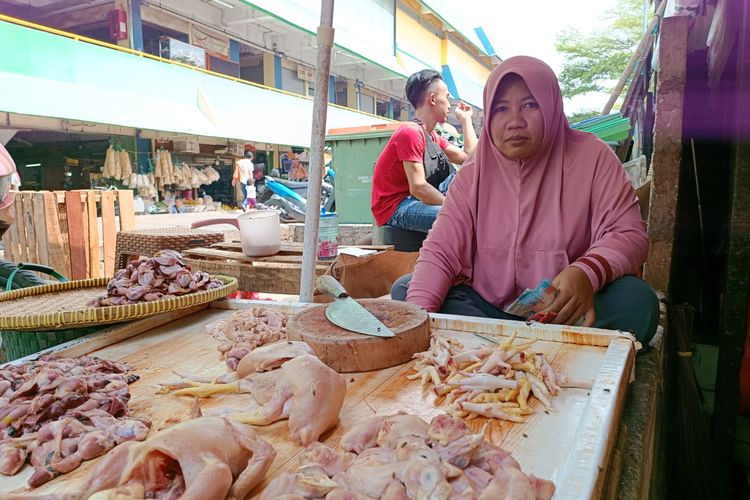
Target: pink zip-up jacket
{"type": "Point", "coordinates": [506, 224]}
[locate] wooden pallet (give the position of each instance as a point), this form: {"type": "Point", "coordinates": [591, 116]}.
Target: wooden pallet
{"type": "Point", "coordinates": [279, 273]}
{"type": "Point", "coordinates": [571, 446]}
{"type": "Point", "coordinates": [60, 229]}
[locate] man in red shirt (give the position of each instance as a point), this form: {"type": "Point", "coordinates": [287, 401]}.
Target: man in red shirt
{"type": "Point", "coordinates": [414, 169]}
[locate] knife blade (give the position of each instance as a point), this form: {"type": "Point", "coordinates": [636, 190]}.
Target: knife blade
{"type": "Point", "coordinates": [347, 313]}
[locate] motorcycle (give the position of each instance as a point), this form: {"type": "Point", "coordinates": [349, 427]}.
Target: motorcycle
{"type": "Point", "coordinates": [290, 197]}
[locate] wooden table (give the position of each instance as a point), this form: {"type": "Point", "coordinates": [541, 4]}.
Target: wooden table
{"type": "Point", "coordinates": [571, 446]}
{"type": "Point", "coordinates": [279, 273]}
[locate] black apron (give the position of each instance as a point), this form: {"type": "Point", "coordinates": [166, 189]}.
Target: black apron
{"type": "Point", "coordinates": [437, 166]}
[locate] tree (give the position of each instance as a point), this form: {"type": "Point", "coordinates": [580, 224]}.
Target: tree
{"type": "Point", "coordinates": [592, 61]}
{"type": "Point", "coordinates": [582, 115]}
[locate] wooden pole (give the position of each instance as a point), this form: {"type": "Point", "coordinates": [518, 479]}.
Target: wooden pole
{"type": "Point", "coordinates": [637, 55]}
{"type": "Point", "coordinates": [317, 142]}
{"type": "Point", "coordinates": [670, 90]}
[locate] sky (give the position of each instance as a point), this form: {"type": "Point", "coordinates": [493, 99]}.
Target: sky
{"type": "Point", "coordinates": [530, 27]}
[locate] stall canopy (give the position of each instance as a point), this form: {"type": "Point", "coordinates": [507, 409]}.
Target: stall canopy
{"type": "Point", "coordinates": [43, 74]}
{"type": "Point", "coordinates": [463, 87]}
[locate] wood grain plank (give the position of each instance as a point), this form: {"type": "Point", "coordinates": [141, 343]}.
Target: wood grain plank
{"type": "Point", "coordinates": [85, 224]}
{"type": "Point", "coordinates": [37, 203]}
{"type": "Point", "coordinates": [266, 277]}
{"type": "Point", "coordinates": [31, 227]}
{"type": "Point", "coordinates": [22, 227]}
{"type": "Point", "coordinates": [10, 238]}
{"type": "Point", "coordinates": [95, 264]}
{"type": "Point", "coordinates": [127, 209]}
{"type": "Point", "coordinates": [76, 241]}
{"type": "Point", "coordinates": [109, 232]}
{"type": "Point", "coordinates": [57, 250]}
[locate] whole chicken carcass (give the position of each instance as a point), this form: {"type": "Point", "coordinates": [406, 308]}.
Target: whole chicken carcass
{"type": "Point", "coordinates": [207, 457]}
{"type": "Point", "coordinates": [304, 390]}
{"type": "Point", "coordinates": [271, 356]}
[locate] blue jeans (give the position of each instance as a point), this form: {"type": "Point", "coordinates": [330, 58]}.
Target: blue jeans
{"type": "Point", "coordinates": [413, 215]}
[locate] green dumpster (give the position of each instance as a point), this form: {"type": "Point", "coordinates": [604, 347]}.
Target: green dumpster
{"type": "Point", "coordinates": [354, 156]}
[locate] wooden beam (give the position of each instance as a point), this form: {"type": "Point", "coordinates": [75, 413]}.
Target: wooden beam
{"type": "Point", "coordinates": [109, 232]}
{"type": "Point", "coordinates": [58, 255]}
{"type": "Point", "coordinates": [733, 320]}
{"type": "Point", "coordinates": [92, 221]}
{"type": "Point", "coordinates": [670, 92]}
{"type": "Point", "coordinates": [76, 239]}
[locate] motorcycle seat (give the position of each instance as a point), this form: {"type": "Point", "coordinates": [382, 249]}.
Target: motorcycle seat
{"type": "Point", "coordinates": [292, 184]}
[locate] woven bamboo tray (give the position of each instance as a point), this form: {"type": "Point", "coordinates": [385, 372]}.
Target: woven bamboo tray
{"type": "Point", "coordinates": [63, 305]}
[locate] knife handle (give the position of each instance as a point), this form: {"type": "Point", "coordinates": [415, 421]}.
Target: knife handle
{"type": "Point", "coordinates": [331, 286]}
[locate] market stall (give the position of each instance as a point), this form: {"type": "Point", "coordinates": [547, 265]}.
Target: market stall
{"type": "Point", "coordinates": [569, 442]}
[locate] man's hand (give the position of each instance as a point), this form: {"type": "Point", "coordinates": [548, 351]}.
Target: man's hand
{"type": "Point", "coordinates": [575, 298]}
{"type": "Point", "coordinates": [463, 111]}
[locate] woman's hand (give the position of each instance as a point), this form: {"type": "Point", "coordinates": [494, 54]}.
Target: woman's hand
{"type": "Point", "coordinates": [575, 298]}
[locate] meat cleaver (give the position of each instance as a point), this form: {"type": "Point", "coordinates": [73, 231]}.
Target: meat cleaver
{"type": "Point", "coordinates": [348, 313]}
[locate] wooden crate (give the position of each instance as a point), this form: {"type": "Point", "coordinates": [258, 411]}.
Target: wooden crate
{"type": "Point", "coordinates": [279, 273]}
{"type": "Point", "coordinates": [571, 446]}
{"type": "Point", "coordinates": [61, 229]}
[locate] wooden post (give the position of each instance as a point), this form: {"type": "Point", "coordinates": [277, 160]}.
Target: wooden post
{"type": "Point", "coordinates": [317, 142]}
{"type": "Point", "coordinates": [733, 321]}
{"type": "Point", "coordinates": [670, 90]}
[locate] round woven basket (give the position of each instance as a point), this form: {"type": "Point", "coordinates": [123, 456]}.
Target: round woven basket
{"type": "Point", "coordinates": [63, 305]}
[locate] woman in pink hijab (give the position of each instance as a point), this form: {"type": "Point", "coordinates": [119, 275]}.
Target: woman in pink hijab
{"type": "Point", "coordinates": [536, 200]}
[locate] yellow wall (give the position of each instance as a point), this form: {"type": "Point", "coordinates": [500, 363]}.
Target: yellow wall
{"type": "Point", "coordinates": [466, 64]}
{"type": "Point", "coordinates": [422, 44]}
{"type": "Point", "coordinates": [269, 70]}
{"type": "Point", "coordinates": [419, 42]}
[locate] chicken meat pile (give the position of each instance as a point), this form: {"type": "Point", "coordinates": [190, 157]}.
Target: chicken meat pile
{"type": "Point", "coordinates": [287, 381]}
{"type": "Point", "coordinates": [58, 412]}
{"type": "Point", "coordinates": [245, 330]}
{"type": "Point", "coordinates": [163, 276]}
{"type": "Point", "coordinates": [207, 457]}
{"type": "Point", "coordinates": [493, 382]}
{"type": "Point", "coordinates": [401, 456]}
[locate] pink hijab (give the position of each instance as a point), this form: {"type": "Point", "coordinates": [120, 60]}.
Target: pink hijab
{"type": "Point", "coordinates": [7, 173]}
{"type": "Point", "coordinates": [507, 224]}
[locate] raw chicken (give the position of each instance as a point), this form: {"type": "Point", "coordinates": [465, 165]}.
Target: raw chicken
{"type": "Point", "coordinates": [245, 330]}
{"type": "Point", "coordinates": [271, 356]}
{"type": "Point", "coordinates": [402, 457]}
{"type": "Point", "coordinates": [363, 435]}
{"type": "Point", "coordinates": [304, 390]}
{"type": "Point", "coordinates": [397, 427]}
{"type": "Point", "coordinates": [208, 457]}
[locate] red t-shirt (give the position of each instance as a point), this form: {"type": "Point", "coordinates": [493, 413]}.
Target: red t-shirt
{"type": "Point", "coordinates": [389, 182]}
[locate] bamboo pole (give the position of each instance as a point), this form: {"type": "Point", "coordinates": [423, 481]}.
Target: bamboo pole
{"type": "Point", "coordinates": [637, 55]}
{"type": "Point", "coordinates": [317, 142]}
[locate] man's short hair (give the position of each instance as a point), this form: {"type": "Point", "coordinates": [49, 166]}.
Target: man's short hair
{"type": "Point", "coordinates": [249, 155]}
{"type": "Point", "coordinates": [419, 84]}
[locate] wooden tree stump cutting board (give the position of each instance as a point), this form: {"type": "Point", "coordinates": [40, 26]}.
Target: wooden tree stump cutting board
{"type": "Point", "coordinates": [346, 351]}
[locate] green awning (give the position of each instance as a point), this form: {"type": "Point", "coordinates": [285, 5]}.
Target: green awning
{"type": "Point", "coordinates": [43, 74]}
{"type": "Point", "coordinates": [609, 128]}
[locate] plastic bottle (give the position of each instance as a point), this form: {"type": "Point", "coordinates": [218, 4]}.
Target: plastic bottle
{"type": "Point", "coordinates": [328, 236]}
